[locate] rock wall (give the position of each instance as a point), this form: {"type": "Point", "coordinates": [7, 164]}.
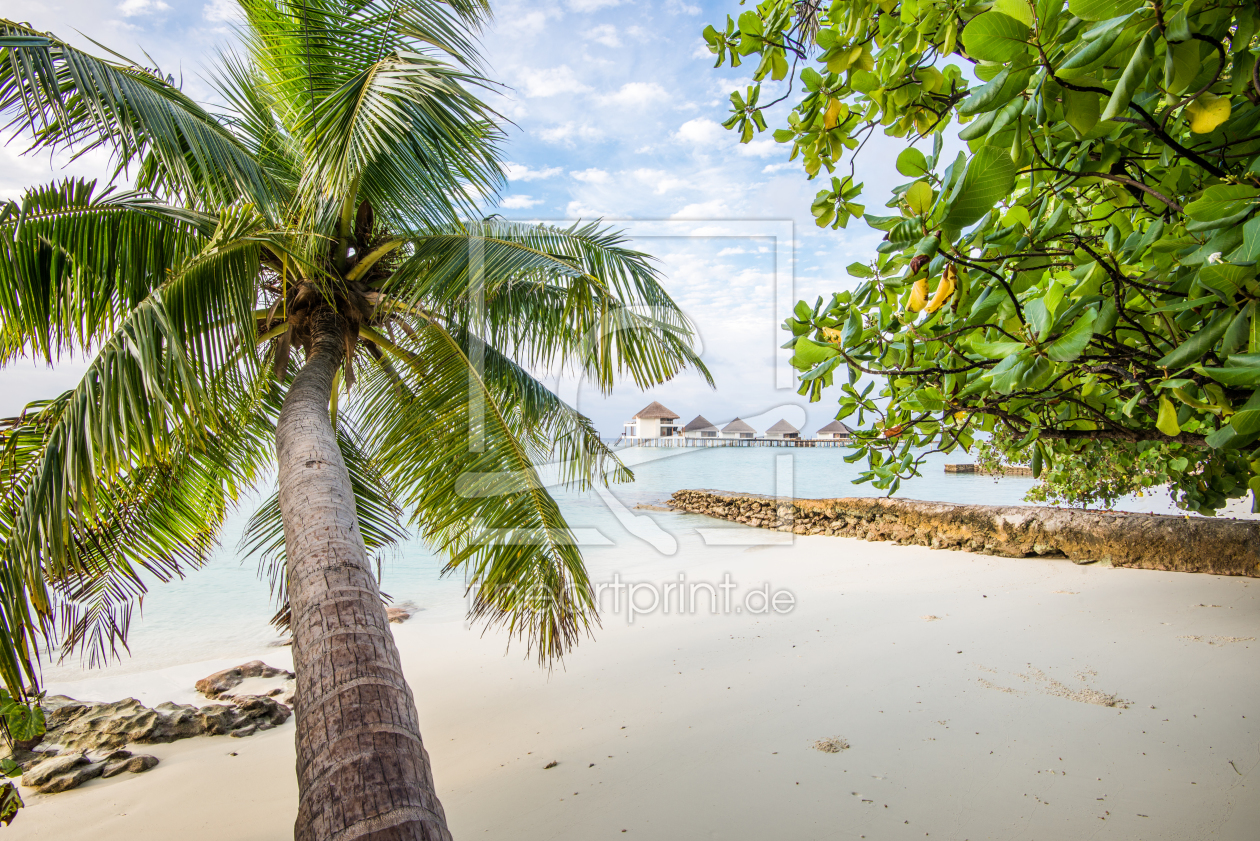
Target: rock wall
{"type": "Point", "coordinates": [1142, 541]}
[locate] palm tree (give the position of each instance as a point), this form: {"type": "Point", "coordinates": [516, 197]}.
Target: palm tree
{"type": "Point", "coordinates": [294, 264]}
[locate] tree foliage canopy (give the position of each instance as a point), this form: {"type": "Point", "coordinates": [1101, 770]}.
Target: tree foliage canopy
{"type": "Point", "coordinates": [1082, 277]}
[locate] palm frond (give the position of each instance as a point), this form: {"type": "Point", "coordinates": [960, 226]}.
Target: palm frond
{"type": "Point", "coordinates": [158, 517]}
{"type": "Point", "coordinates": [162, 374]}
{"type": "Point", "coordinates": [74, 261]}
{"type": "Point", "coordinates": [64, 98]}
{"type": "Point", "coordinates": [369, 90]}
{"type": "Point", "coordinates": [462, 448]}
{"type": "Point", "coordinates": [549, 295]}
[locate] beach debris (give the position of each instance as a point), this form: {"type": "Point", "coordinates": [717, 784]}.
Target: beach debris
{"type": "Point", "coordinates": [397, 615]}
{"type": "Point", "coordinates": [93, 725]}
{"type": "Point", "coordinates": [221, 683]}
{"type": "Point", "coordinates": [1214, 640]}
{"type": "Point", "coordinates": [931, 617]}
{"type": "Point", "coordinates": [833, 744]}
{"type": "Point", "coordinates": [551, 764]}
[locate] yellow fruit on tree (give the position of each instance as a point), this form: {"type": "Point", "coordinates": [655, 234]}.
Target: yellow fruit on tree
{"type": "Point", "coordinates": [918, 295]}
{"type": "Point", "coordinates": [949, 282]}
{"type": "Point", "coordinates": [1207, 112]}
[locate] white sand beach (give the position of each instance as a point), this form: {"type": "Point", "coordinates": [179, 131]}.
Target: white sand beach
{"type": "Point", "coordinates": [972, 691]}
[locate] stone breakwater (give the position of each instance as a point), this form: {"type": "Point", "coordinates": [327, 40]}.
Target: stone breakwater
{"type": "Point", "coordinates": [1140, 541]}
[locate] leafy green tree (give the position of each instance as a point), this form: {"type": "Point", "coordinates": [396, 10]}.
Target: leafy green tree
{"type": "Point", "coordinates": [292, 271]}
{"type": "Point", "coordinates": [1081, 276]}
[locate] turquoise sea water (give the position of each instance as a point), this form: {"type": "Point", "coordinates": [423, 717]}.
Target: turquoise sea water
{"type": "Point", "coordinates": [222, 610]}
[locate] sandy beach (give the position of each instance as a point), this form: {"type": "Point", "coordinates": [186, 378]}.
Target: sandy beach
{"type": "Point", "coordinates": [981, 697]}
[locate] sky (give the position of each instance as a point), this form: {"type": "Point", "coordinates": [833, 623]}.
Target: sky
{"type": "Point", "coordinates": [615, 113]}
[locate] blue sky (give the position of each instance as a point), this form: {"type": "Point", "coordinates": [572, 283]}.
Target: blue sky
{"type": "Point", "coordinates": [615, 112]}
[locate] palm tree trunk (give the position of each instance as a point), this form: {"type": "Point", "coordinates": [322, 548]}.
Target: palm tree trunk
{"type": "Point", "coordinates": [363, 772]}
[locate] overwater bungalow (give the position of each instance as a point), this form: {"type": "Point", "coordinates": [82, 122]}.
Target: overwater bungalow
{"type": "Point", "coordinates": [700, 428]}
{"type": "Point", "coordinates": [783, 429]}
{"type": "Point", "coordinates": [738, 429]}
{"type": "Point", "coordinates": [652, 421]}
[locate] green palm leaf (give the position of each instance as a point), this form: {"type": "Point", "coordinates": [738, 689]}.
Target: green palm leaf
{"type": "Point", "coordinates": [551, 296]}
{"type": "Point", "coordinates": [468, 479]}
{"type": "Point", "coordinates": [73, 262]}
{"type": "Point", "coordinates": [67, 99]}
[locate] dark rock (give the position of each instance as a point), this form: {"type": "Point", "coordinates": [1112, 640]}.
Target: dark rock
{"type": "Point", "coordinates": [100, 726]}
{"type": "Point", "coordinates": [397, 614]}
{"type": "Point", "coordinates": [45, 771]}
{"type": "Point", "coordinates": [129, 764]}
{"type": "Point", "coordinates": [220, 682]}
{"type": "Point", "coordinates": [73, 779]}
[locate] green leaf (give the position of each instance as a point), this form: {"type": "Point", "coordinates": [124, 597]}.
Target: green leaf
{"type": "Point", "coordinates": [1007, 374]}
{"type": "Point", "coordinates": [1246, 422]}
{"type": "Point", "coordinates": [1249, 251]}
{"type": "Point", "coordinates": [1101, 9]}
{"type": "Point", "coordinates": [1072, 344]}
{"type": "Point", "coordinates": [919, 197]}
{"type": "Point", "coordinates": [809, 353]}
{"type": "Point", "coordinates": [989, 177]}
{"type": "Point", "coordinates": [1167, 419]}
{"type": "Point", "coordinates": [994, 36]}
{"type": "Point", "coordinates": [997, 350]}
{"type": "Point", "coordinates": [1020, 10]}
{"type": "Point", "coordinates": [1240, 376]}
{"type": "Point", "coordinates": [1226, 277]}
{"type": "Point", "coordinates": [1222, 201]}
{"type": "Point", "coordinates": [1132, 78]}
{"type": "Point", "coordinates": [911, 162]}
{"type": "Point", "coordinates": [750, 24]}
{"type": "Point", "coordinates": [859, 270]}
{"type": "Point", "coordinates": [1193, 348]}
{"type": "Point", "coordinates": [1081, 110]}
{"type": "Point", "coordinates": [1039, 317]}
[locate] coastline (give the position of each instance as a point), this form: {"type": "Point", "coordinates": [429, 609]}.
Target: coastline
{"type": "Point", "coordinates": [972, 689]}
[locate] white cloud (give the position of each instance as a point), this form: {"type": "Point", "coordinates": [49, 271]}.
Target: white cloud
{"type": "Point", "coordinates": [529, 23]}
{"type": "Point", "coordinates": [701, 130]}
{"type": "Point", "coordinates": [521, 172]}
{"type": "Point", "coordinates": [659, 180]}
{"type": "Point", "coordinates": [769, 169]}
{"type": "Point", "coordinates": [591, 176]}
{"type": "Point", "coordinates": [591, 5]}
{"type": "Point", "coordinates": [556, 80]}
{"type": "Point", "coordinates": [638, 94]}
{"type": "Point", "coordinates": [605, 34]}
{"type": "Point", "coordinates": [566, 133]}
{"type": "Point", "coordinates": [221, 10]}
{"type": "Point", "coordinates": [131, 8]}
{"type": "Point", "coordinates": [577, 210]}
{"type": "Point", "coordinates": [760, 148]}
{"type": "Point", "coordinates": [678, 7]}
{"type": "Point", "coordinates": [519, 202]}
{"type": "Point", "coordinates": [712, 209]}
